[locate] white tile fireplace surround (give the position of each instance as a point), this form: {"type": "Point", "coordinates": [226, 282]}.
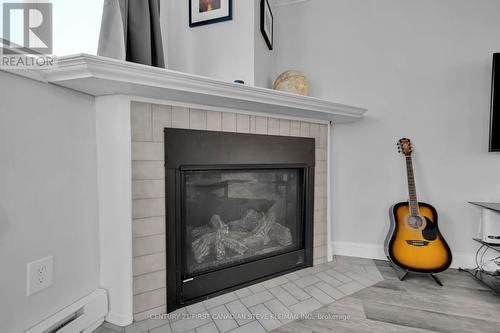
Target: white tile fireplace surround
{"type": "Point", "coordinates": [148, 188]}
{"type": "Point", "coordinates": [133, 104]}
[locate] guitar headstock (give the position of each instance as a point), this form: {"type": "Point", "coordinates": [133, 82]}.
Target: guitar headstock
{"type": "Point", "coordinates": [405, 147]}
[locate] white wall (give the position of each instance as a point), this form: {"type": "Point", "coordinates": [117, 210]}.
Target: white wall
{"type": "Point", "coordinates": [423, 70]}
{"type": "Point", "coordinates": [48, 197]}
{"type": "Point", "coordinates": [264, 58]}
{"type": "Point", "coordinates": [223, 50]}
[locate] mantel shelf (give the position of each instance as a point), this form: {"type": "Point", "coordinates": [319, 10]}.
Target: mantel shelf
{"type": "Point", "coordinates": [100, 76]}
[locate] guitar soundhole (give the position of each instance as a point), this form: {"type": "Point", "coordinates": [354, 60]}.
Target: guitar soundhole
{"type": "Point", "coordinates": [415, 222]}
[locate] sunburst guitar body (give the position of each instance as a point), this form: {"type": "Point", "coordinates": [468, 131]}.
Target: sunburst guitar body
{"type": "Point", "coordinates": [414, 242]}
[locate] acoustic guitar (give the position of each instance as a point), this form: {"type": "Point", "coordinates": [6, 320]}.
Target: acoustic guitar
{"type": "Point", "coordinates": [414, 242]}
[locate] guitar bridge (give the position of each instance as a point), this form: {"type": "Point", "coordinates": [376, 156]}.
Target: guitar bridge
{"type": "Point", "coordinates": [417, 242]}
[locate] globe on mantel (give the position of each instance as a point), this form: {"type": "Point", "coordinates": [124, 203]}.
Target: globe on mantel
{"type": "Point", "coordinates": [293, 82]}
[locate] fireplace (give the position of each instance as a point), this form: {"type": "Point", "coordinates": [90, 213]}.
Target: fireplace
{"type": "Point", "coordinates": [239, 210]}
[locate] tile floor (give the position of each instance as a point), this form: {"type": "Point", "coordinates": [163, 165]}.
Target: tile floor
{"type": "Point", "coordinates": [415, 305]}
{"type": "Point", "coordinates": [265, 306]}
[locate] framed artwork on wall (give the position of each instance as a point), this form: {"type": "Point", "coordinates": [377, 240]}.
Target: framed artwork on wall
{"type": "Point", "coordinates": [203, 12]}
{"type": "Point", "coordinates": [267, 23]}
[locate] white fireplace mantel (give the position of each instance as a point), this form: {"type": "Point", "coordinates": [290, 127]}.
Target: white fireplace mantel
{"type": "Point", "coordinates": [115, 84]}
{"type": "Point", "coordinates": [100, 76]}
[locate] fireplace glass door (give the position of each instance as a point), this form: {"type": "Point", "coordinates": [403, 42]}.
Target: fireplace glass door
{"type": "Point", "coordinates": [230, 217]}
{"type": "Point", "coordinates": [239, 210]}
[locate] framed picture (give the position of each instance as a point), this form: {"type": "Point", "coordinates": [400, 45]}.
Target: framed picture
{"type": "Point", "coordinates": [203, 12]}
{"type": "Point", "coordinates": [267, 23]}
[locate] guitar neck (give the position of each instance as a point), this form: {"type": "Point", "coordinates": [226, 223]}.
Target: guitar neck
{"type": "Point", "coordinates": [412, 191]}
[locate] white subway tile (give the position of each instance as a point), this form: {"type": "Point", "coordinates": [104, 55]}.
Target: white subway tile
{"type": "Point", "coordinates": [320, 191]}
{"type": "Point", "coordinates": [214, 120]}
{"type": "Point", "coordinates": [148, 263]}
{"type": "Point", "coordinates": [142, 208]}
{"type": "Point", "coordinates": [140, 121]}
{"type": "Point", "coordinates": [148, 245]}
{"type": "Point", "coordinates": [314, 132]}
{"type": "Point", "coordinates": [147, 151]}
{"type": "Point", "coordinates": [162, 118]}
{"type": "Point", "coordinates": [198, 119]}
{"type": "Point", "coordinates": [273, 126]}
{"type": "Point", "coordinates": [319, 241]}
{"type": "Point", "coordinates": [304, 129]}
{"type": "Point", "coordinates": [321, 154]}
{"type": "Point", "coordinates": [295, 128]}
{"type": "Point", "coordinates": [319, 229]}
{"type": "Point", "coordinates": [149, 300]}
{"type": "Point", "coordinates": [150, 281]}
{"type": "Point", "coordinates": [252, 124]}
{"type": "Point", "coordinates": [228, 122]}
{"type": "Point", "coordinates": [180, 117]}
{"type": "Point", "coordinates": [148, 170]}
{"type": "Point", "coordinates": [148, 226]}
{"type": "Point", "coordinates": [243, 123]}
{"type": "Point", "coordinates": [148, 189]}
{"type": "Point", "coordinates": [284, 127]}
{"type": "Point", "coordinates": [260, 125]}
{"type": "Point", "coordinates": [323, 136]}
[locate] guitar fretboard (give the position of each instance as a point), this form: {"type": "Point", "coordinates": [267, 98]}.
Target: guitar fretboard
{"type": "Point", "coordinates": [412, 191]}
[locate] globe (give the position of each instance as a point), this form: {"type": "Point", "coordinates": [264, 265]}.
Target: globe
{"type": "Point", "coordinates": [293, 82]}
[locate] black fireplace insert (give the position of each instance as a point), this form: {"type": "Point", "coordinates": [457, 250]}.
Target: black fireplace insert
{"type": "Point", "coordinates": [239, 210]}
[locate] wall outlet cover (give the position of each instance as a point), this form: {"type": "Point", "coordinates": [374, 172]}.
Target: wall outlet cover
{"type": "Point", "coordinates": [39, 275]}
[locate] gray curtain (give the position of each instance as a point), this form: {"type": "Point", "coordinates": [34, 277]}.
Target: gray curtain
{"type": "Point", "coordinates": [130, 30]}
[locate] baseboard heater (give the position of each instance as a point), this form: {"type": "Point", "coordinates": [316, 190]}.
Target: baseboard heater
{"type": "Point", "coordinates": [83, 316]}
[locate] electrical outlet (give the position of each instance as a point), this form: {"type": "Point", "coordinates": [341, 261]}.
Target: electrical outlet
{"type": "Point", "coordinates": [39, 275]}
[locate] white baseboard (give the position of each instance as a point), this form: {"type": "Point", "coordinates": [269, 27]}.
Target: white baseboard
{"type": "Point", "coordinates": [376, 251]}
{"type": "Point", "coordinates": [118, 319]}
{"type": "Point", "coordinates": [464, 260]}
{"type": "Point", "coordinates": [94, 326]}
{"type": "Point", "coordinates": [84, 315]}
{"type": "Point", "coordinates": [361, 250]}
